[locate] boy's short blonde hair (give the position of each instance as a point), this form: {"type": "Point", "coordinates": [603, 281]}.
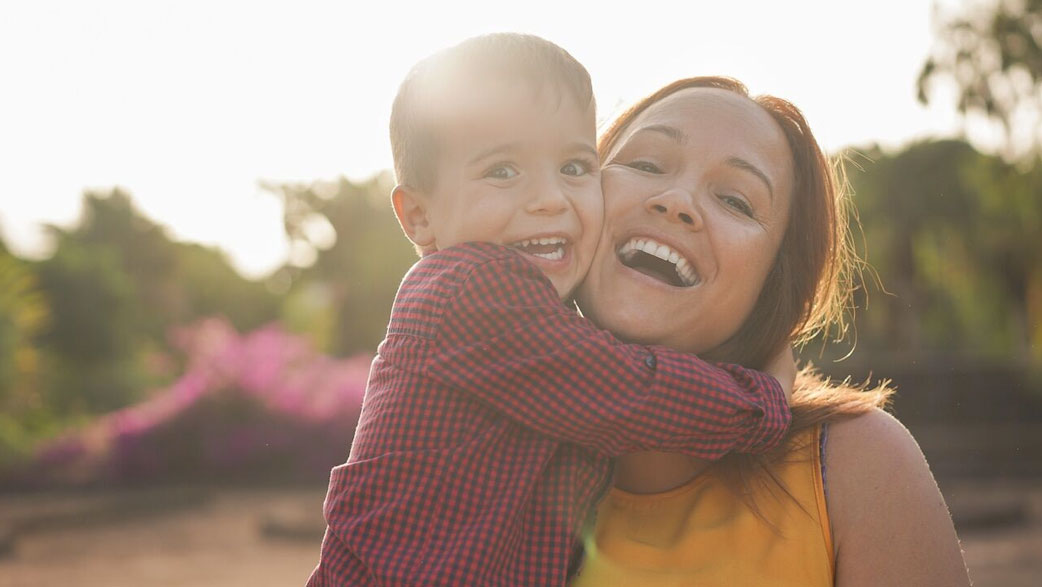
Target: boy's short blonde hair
{"type": "Point", "coordinates": [527, 58]}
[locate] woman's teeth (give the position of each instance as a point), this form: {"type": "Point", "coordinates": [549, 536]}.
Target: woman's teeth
{"type": "Point", "coordinates": [549, 248]}
{"type": "Point", "coordinates": [683, 268]}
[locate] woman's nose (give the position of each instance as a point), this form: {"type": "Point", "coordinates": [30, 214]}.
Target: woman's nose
{"type": "Point", "coordinates": [677, 205]}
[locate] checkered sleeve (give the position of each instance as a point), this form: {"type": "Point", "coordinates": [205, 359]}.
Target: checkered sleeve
{"type": "Point", "coordinates": [338, 565]}
{"type": "Point", "coordinates": [506, 339]}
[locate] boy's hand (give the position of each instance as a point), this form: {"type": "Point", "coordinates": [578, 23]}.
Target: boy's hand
{"type": "Point", "coordinates": [782, 366]}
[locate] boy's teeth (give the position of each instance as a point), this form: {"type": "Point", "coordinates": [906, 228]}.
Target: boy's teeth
{"type": "Point", "coordinates": [550, 248]}
{"type": "Point", "coordinates": [683, 267]}
{"type": "Point", "coordinates": [554, 256]}
{"type": "Point", "coordinates": [553, 240]}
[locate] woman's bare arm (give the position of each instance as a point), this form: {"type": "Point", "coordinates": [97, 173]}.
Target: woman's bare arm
{"type": "Point", "coordinates": [890, 523]}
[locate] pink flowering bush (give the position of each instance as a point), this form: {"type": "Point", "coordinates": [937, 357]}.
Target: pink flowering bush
{"type": "Point", "coordinates": [260, 406]}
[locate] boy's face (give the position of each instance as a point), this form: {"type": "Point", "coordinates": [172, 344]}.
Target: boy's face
{"type": "Point", "coordinates": [519, 168]}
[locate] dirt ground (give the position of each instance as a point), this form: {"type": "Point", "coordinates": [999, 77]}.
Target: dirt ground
{"type": "Point", "coordinates": [204, 536]}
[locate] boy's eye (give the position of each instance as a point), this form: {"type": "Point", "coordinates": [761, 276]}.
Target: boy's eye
{"type": "Point", "coordinates": [576, 168]}
{"type": "Point", "coordinates": [501, 172]}
{"type": "Point", "coordinates": [736, 203]}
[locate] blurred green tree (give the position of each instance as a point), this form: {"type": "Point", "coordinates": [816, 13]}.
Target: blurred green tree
{"type": "Point", "coordinates": [953, 234]}
{"type": "Point", "coordinates": [354, 271]}
{"type": "Point", "coordinates": [207, 285]}
{"type": "Point", "coordinates": [134, 248]}
{"type": "Point", "coordinates": [993, 53]}
{"type": "Point", "coordinates": [23, 315]}
{"type": "Point", "coordinates": [93, 340]}
{"type": "Point", "coordinates": [116, 284]}
{"type": "Point", "coordinates": [1008, 234]}
{"type": "Point", "coordinates": [173, 282]}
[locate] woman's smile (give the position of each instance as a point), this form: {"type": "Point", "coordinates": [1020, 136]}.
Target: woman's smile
{"type": "Point", "coordinates": [659, 261]}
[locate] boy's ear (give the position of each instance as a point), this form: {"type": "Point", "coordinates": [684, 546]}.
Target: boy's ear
{"type": "Point", "coordinates": [410, 207]}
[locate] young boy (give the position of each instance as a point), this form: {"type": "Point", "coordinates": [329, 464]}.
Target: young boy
{"type": "Point", "coordinates": [493, 409]}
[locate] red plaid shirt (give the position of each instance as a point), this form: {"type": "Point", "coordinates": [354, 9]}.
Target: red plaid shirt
{"type": "Point", "coordinates": [489, 423]}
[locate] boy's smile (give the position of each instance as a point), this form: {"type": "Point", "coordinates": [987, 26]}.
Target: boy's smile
{"type": "Point", "coordinates": [549, 248]}
{"type": "Point", "coordinates": [516, 166]}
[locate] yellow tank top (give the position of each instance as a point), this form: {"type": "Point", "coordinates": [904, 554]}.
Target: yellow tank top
{"type": "Point", "coordinates": [703, 534]}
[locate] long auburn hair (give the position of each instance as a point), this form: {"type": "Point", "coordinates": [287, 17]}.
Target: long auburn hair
{"type": "Point", "coordinates": [807, 291]}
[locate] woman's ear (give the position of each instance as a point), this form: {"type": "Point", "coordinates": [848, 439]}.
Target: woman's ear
{"type": "Point", "coordinates": [412, 210]}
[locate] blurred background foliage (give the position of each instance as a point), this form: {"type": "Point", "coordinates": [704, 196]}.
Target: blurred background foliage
{"type": "Point", "coordinates": [357, 255]}
{"type": "Point", "coordinates": [953, 236]}
{"type": "Point", "coordinates": [992, 52]}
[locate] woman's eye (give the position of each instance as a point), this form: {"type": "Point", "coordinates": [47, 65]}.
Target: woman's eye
{"type": "Point", "coordinates": [576, 168]}
{"type": "Point", "coordinates": [645, 166]}
{"type": "Point", "coordinates": [737, 203]}
{"type": "Point", "coordinates": [501, 172]}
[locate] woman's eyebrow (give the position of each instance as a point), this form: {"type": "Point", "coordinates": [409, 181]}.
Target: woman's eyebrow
{"type": "Point", "coordinates": [672, 132]}
{"type": "Point", "coordinates": [745, 165]}
{"type": "Point", "coordinates": [679, 137]}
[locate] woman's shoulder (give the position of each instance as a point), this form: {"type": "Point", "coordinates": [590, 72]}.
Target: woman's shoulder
{"type": "Point", "coordinates": [869, 437]}
{"type": "Point", "coordinates": [871, 459]}
{"type": "Point", "coordinates": [890, 523]}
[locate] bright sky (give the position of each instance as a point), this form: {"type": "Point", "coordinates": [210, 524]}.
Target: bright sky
{"type": "Point", "coordinates": [189, 104]}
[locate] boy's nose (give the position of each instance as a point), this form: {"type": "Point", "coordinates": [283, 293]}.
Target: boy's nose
{"type": "Point", "coordinates": [677, 205]}
{"type": "Point", "coordinates": [547, 198]}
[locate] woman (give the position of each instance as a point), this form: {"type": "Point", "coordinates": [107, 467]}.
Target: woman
{"type": "Point", "coordinates": [740, 190]}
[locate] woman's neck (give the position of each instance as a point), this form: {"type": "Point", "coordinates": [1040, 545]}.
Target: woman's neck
{"type": "Point", "coordinates": [655, 472]}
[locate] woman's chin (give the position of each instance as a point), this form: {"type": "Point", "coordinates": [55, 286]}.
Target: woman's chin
{"type": "Point", "coordinates": [643, 326]}
{"type": "Point", "coordinates": [633, 318]}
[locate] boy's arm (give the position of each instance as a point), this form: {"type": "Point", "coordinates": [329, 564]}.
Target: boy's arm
{"type": "Point", "coordinates": [505, 338]}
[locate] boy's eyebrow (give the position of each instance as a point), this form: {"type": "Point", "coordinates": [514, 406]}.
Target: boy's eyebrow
{"type": "Point", "coordinates": [493, 150]}
{"type": "Point", "coordinates": [507, 147]}
{"type": "Point", "coordinates": [584, 147]}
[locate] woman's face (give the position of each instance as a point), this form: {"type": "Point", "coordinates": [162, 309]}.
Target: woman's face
{"type": "Point", "coordinates": [696, 193]}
